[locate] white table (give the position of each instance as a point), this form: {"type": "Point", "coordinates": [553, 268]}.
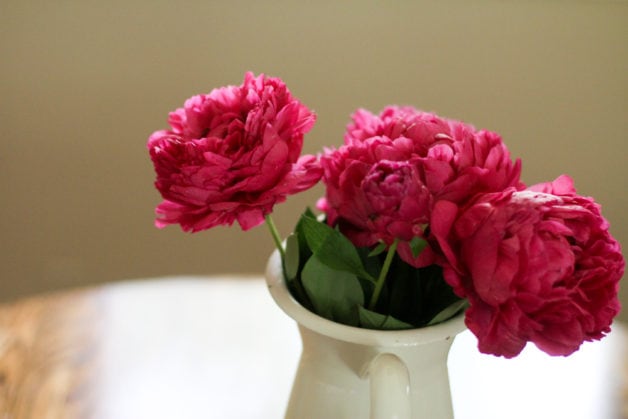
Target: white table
{"type": "Point", "coordinates": [191, 347]}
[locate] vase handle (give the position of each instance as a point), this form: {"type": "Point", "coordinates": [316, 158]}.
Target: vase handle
{"type": "Point", "coordinates": [390, 387]}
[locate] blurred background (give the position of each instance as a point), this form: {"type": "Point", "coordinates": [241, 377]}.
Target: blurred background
{"type": "Point", "coordinates": [83, 84]}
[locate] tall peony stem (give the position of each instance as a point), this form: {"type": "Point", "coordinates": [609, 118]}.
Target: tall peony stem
{"type": "Point", "coordinates": [382, 274]}
{"type": "Point", "coordinates": [276, 236]}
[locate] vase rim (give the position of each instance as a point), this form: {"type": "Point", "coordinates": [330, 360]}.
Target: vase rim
{"type": "Point", "coordinates": [305, 318]}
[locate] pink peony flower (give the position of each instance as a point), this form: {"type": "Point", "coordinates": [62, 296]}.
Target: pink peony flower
{"type": "Point", "coordinates": [389, 189]}
{"type": "Point", "coordinates": [537, 265]}
{"type": "Point", "coordinates": [425, 157]}
{"type": "Point", "coordinates": [231, 155]}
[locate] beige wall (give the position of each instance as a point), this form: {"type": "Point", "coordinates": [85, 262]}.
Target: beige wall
{"type": "Point", "coordinates": [84, 83]}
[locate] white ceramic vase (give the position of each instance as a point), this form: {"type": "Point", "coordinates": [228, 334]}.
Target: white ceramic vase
{"type": "Point", "coordinates": [354, 373]}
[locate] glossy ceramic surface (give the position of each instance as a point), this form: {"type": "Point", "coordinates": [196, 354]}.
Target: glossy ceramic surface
{"type": "Point", "coordinates": [348, 372]}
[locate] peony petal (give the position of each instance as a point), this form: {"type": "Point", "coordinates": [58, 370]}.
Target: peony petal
{"type": "Point", "coordinates": [228, 153]}
{"type": "Point", "coordinates": [562, 185]}
{"type": "Point", "coordinates": [250, 218]}
{"type": "Point", "coordinates": [441, 223]}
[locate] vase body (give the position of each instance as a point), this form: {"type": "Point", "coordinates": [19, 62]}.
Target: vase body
{"type": "Point", "coordinates": [349, 372]}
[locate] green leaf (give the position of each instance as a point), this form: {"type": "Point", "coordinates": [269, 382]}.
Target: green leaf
{"type": "Point", "coordinates": [332, 248]}
{"type": "Point", "coordinates": [417, 244]}
{"type": "Point", "coordinates": [378, 249]}
{"type": "Point", "coordinates": [334, 294]}
{"type": "Point", "coordinates": [449, 312]}
{"type": "Point", "coordinates": [304, 249]}
{"type": "Point", "coordinates": [372, 265]}
{"type": "Point", "coordinates": [373, 320]}
{"type": "Point", "coordinates": [315, 232]}
{"type": "Point", "coordinates": [309, 213]}
{"type": "Point", "coordinates": [292, 256]}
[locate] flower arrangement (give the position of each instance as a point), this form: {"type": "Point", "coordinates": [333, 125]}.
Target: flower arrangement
{"type": "Point", "coordinates": [422, 217]}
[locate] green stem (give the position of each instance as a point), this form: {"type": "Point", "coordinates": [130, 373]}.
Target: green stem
{"type": "Point", "coordinates": [382, 274]}
{"type": "Point", "coordinates": [276, 237]}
